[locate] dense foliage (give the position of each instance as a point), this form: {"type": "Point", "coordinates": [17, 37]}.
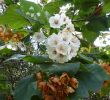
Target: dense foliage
{"type": "Point", "coordinates": [50, 45]}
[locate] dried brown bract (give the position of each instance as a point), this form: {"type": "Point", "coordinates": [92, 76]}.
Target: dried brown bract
{"type": "Point", "coordinates": [106, 67]}
{"type": "Point", "coordinates": [56, 88]}
{"type": "Point", "coordinates": [6, 35]}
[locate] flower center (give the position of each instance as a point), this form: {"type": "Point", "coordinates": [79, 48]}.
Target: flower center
{"type": "Point", "coordinates": [61, 55]}
{"type": "Point", "coordinates": [54, 52]}
{"type": "Point", "coordinates": [56, 21]}
{"type": "Point", "coordinates": [55, 42]}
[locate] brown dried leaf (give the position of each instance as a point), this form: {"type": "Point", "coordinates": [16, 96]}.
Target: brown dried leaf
{"type": "Point", "coordinates": [69, 90]}
{"type": "Point", "coordinates": [55, 80]}
{"type": "Point", "coordinates": [74, 83]}
{"type": "Point", "coordinates": [64, 78]}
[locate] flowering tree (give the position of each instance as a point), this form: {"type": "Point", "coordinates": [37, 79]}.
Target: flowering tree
{"type": "Point", "coordinates": [48, 51]}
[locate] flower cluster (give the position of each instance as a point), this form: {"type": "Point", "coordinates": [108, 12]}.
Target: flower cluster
{"type": "Point", "coordinates": [63, 46]}
{"type": "Point", "coordinates": [57, 88]}
{"type": "Point", "coordinates": [58, 20]}
{"type": "Point", "coordinates": [103, 40]}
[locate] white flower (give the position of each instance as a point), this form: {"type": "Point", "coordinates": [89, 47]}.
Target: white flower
{"type": "Point", "coordinates": [55, 56]}
{"type": "Point", "coordinates": [55, 21]}
{"type": "Point", "coordinates": [78, 34]}
{"type": "Point", "coordinates": [62, 58]}
{"type": "Point", "coordinates": [66, 37]}
{"type": "Point", "coordinates": [75, 41]}
{"type": "Point", "coordinates": [69, 28]}
{"type": "Point", "coordinates": [39, 36]}
{"type": "Point", "coordinates": [52, 53]}
{"type": "Point", "coordinates": [53, 40]}
{"type": "Point", "coordinates": [21, 46]}
{"type": "Point", "coordinates": [102, 41]}
{"type": "Point", "coordinates": [65, 18]}
{"type": "Point", "coordinates": [73, 51]}
{"type": "Point", "coordinates": [65, 8]}
{"type": "Point", "coordinates": [62, 48]}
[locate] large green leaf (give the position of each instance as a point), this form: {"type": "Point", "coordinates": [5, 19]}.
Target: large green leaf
{"type": "Point", "coordinates": [26, 88]}
{"type": "Point", "coordinates": [90, 80]}
{"type": "Point", "coordinates": [86, 11]}
{"type": "Point", "coordinates": [85, 58]}
{"type": "Point", "coordinates": [15, 57]}
{"type": "Point", "coordinates": [37, 59]}
{"type": "Point", "coordinates": [93, 28]}
{"type": "Point", "coordinates": [70, 68]}
{"type": "Point", "coordinates": [12, 18]}
{"type": "Point", "coordinates": [31, 7]}
{"type": "Point", "coordinates": [53, 7]}
{"type": "Point", "coordinates": [31, 10]}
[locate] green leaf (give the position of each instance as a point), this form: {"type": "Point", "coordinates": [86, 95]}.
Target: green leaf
{"type": "Point", "coordinates": [71, 68]}
{"type": "Point", "coordinates": [93, 28]}
{"type": "Point", "coordinates": [26, 88]}
{"type": "Point", "coordinates": [37, 59]}
{"type": "Point", "coordinates": [53, 7]}
{"type": "Point", "coordinates": [91, 80]}
{"type": "Point", "coordinates": [28, 6]}
{"type": "Point", "coordinates": [5, 52]}
{"type": "Point", "coordinates": [31, 10]}
{"type": "Point", "coordinates": [12, 18]}
{"type": "Point", "coordinates": [106, 7]}
{"type": "Point", "coordinates": [15, 57]}
{"type": "Point", "coordinates": [8, 2]}
{"type": "Point", "coordinates": [85, 58]}
{"type": "Point", "coordinates": [97, 24]}
{"type": "Point", "coordinates": [85, 11]}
